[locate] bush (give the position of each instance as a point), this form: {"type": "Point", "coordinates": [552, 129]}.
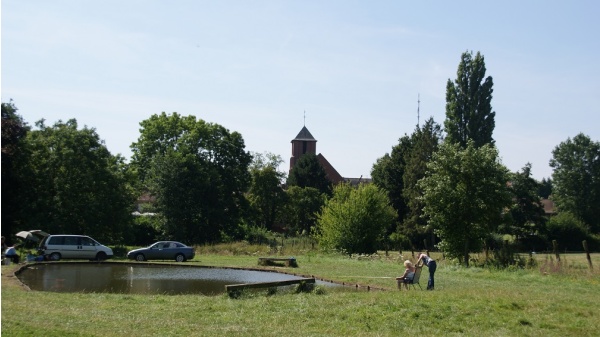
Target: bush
{"type": "Point", "coordinates": [119, 251]}
{"type": "Point", "coordinates": [256, 235]}
{"type": "Point", "coordinates": [400, 241]}
{"type": "Point", "coordinates": [568, 231]}
{"type": "Point", "coordinates": [143, 231]}
{"type": "Point", "coordinates": [354, 219]}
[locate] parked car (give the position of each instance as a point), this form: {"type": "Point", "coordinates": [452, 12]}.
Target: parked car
{"type": "Point", "coordinates": [64, 246]}
{"type": "Point", "coordinates": [163, 250]}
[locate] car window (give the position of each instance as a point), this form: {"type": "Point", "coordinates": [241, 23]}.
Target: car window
{"type": "Point", "coordinates": [156, 245]}
{"type": "Point", "coordinates": [167, 245]}
{"type": "Point", "coordinates": [87, 242]}
{"type": "Point", "coordinates": [179, 245]}
{"type": "Point", "coordinates": [56, 240]}
{"type": "Point", "coordinates": [71, 241]}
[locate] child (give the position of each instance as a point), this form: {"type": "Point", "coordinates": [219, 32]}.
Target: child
{"type": "Point", "coordinates": [408, 275]}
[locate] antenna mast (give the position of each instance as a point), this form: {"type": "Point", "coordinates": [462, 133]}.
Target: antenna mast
{"type": "Point", "coordinates": [418, 108]}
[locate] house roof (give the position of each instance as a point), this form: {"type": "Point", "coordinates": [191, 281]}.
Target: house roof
{"type": "Point", "coordinates": [357, 181]}
{"type": "Point", "coordinates": [330, 171]}
{"type": "Point", "coordinates": [549, 207]}
{"type": "Point", "coordinates": [304, 135]}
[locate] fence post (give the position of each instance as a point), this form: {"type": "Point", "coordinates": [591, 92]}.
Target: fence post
{"type": "Point", "coordinates": [555, 247]}
{"type": "Point", "coordinates": [587, 253]}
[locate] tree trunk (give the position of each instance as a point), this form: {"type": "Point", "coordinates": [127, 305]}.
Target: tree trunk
{"type": "Point", "coordinates": [466, 253]}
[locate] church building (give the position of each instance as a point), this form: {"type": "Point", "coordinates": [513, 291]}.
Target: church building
{"type": "Point", "coordinates": [306, 143]}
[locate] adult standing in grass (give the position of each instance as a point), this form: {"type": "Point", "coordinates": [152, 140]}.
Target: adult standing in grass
{"type": "Point", "coordinates": [431, 265]}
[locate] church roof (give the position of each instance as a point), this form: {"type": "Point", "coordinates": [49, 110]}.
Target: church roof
{"type": "Point", "coordinates": [304, 135]}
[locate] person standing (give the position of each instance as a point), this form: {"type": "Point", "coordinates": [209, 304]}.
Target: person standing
{"type": "Point", "coordinates": [431, 265]}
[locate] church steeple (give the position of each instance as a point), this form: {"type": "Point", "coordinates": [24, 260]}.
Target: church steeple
{"type": "Point", "coordinates": [302, 144]}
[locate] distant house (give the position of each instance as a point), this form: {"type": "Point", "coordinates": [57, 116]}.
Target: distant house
{"type": "Point", "coordinates": [305, 143]}
{"type": "Point", "coordinates": [144, 200]}
{"type": "Point", "coordinates": [549, 208]}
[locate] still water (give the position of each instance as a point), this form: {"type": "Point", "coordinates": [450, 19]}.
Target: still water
{"type": "Point", "coordinates": [141, 278]}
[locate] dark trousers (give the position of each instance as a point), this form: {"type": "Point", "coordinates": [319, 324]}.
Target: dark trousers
{"type": "Point", "coordinates": [432, 266]}
{"type": "Point", "coordinates": [13, 258]}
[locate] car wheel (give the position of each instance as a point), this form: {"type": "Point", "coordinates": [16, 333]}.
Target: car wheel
{"type": "Point", "coordinates": [179, 258]}
{"type": "Point", "coordinates": [54, 256]}
{"type": "Point", "coordinates": [140, 257]}
{"type": "Point", "coordinates": [101, 256]}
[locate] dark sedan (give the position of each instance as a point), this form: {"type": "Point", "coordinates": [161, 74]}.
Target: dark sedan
{"type": "Point", "coordinates": [163, 250]}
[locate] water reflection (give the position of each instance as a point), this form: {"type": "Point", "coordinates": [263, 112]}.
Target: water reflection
{"type": "Point", "coordinates": [141, 279]}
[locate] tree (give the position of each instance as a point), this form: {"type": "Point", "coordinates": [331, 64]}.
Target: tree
{"type": "Point", "coordinates": [469, 112]}
{"type": "Point", "coordinates": [465, 194]}
{"type": "Point", "coordinates": [568, 230]}
{"type": "Point", "coordinates": [199, 173]}
{"type": "Point", "coordinates": [388, 174]}
{"type": "Point", "coordinates": [159, 134]}
{"type": "Point", "coordinates": [545, 188]}
{"type": "Point", "coordinates": [354, 220]}
{"type": "Point", "coordinates": [266, 194]}
{"type": "Point", "coordinates": [14, 131]}
{"type": "Point", "coordinates": [576, 179]}
{"type": "Point", "coordinates": [425, 142]}
{"type": "Point", "coordinates": [308, 172]}
{"type": "Point", "coordinates": [302, 207]}
{"type": "Point", "coordinates": [76, 185]}
{"type": "Point", "coordinates": [526, 212]}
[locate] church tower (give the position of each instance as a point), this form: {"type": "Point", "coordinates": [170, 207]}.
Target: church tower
{"type": "Point", "coordinates": [303, 143]}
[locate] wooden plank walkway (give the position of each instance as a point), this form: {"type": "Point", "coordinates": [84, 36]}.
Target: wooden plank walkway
{"type": "Point", "coordinates": [233, 287]}
{"type": "Point", "coordinates": [287, 261]}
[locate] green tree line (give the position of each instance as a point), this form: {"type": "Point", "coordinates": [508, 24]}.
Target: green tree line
{"type": "Point", "coordinates": [439, 188]}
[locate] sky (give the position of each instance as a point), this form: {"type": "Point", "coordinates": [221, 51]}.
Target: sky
{"type": "Point", "coordinates": [355, 73]}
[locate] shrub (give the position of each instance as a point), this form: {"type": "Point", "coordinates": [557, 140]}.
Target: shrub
{"type": "Point", "coordinates": [143, 231]}
{"type": "Point", "coordinates": [568, 231]}
{"type": "Point", "coordinates": [119, 251]}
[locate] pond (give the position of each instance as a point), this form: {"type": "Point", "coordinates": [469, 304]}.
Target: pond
{"type": "Point", "coordinates": [133, 278]}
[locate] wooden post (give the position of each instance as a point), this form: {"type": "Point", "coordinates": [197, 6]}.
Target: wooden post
{"type": "Point", "coordinates": [587, 253]}
{"type": "Point", "coordinates": [555, 247]}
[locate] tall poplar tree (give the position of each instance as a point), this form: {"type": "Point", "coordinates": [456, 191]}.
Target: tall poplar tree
{"type": "Point", "coordinates": [469, 112]}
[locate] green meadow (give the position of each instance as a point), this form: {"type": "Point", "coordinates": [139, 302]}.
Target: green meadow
{"type": "Point", "coordinates": [549, 299]}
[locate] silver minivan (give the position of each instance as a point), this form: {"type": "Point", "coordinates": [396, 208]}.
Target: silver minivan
{"type": "Point", "coordinates": [62, 246]}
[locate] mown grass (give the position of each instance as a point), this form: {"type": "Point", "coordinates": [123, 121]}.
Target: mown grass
{"type": "Point", "coordinates": [547, 300]}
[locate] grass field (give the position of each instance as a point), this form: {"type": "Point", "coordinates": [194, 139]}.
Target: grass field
{"type": "Point", "coordinates": [548, 300]}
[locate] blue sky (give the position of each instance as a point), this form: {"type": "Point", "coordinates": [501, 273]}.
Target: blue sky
{"type": "Point", "coordinates": [355, 67]}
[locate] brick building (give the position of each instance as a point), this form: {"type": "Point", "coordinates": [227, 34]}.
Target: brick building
{"type": "Point", "coordinates": [306, 143]}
